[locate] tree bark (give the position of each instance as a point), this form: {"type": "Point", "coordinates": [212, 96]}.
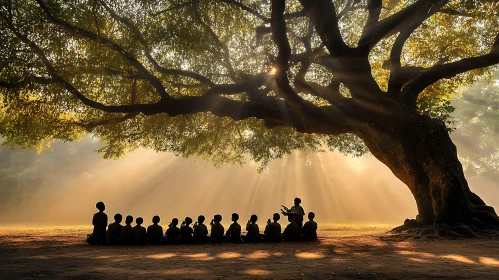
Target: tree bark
{"type": "Point", "coordinates": [420, 152]}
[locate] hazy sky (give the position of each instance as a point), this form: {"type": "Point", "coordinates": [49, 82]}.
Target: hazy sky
{"type": "Point", "coordinates": [339, 189]}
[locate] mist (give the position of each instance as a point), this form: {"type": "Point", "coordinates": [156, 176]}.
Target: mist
{"type": "Point", "coordinates": [61, 186]}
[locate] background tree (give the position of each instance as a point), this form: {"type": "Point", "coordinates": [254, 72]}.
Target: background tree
{"type": "Point", "coordinates": [225, 78]}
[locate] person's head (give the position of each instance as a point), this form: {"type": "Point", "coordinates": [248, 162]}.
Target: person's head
{"type": "Point", "coordinates": [311, 216]}
{"type": "Point", "coordinates": [254, 218]}
{"type": "Point", "coordinates": [139, 221]}
{"type": "Point", "coordinates": [235, 217]}
{"type": "Point", "coordinates": [118, 218]}
{"type": "Point", "coordinates": [201, 219]}
{"type": "Point", "coordinates": [276, 217]}
{"type": "Point", "coordinates": [290, 218]}
{"type": "Point", "coordinates": [155, 219]}
{"type": "Point", "coordinates": [188, 221]}
{"type": "Point", "coordinates": [217, 218]}
{"type": "Point", "coordinates": [174, 222]}
{"type": "Point", "coordinates": [100, 205]}
{"type": "Point", "coordinates": [297, 201]}
{"type": "Point", "coordinates": [128, 220]}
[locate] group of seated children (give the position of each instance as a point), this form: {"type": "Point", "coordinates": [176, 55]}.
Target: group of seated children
{"type": "Point", "coordinates": [198, 233]}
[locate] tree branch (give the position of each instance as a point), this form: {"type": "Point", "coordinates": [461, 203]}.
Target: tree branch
{"type": "Point", "coordinates": [138, 36]}
{"type": "Point", "coordinates": [323, 14]}
{"type": "Point", "coordinates": [77, 31]}
{"type": "Point", "coordinates": [412, 90]}
{"type": "Point", "coordinates": [417, 12]}
{"type": "Point", "coordinates": [224, 48]}
{"type": "Point", "coordinates": [279, 35]}
{"type": "Point", "coordinates": [374, 9]}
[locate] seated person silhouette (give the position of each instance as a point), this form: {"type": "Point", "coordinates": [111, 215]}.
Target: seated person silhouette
{"type": "Point", "coordinates": [201, 231]}
{"type": "Point", "coordinates": [114, 230]}
{"type": "Point", "coordinates": [172, 234]}
{"type": "Point", "coordinates": [292, 231]}
{"type": "Point", "coordinates": [217, 230]}
{"type": "Point", "coordinates": [252, 230]}
{"type": "Point", "coordinates": [297, 211]}
{"type": "Point", "coordinates": [99, 222]}
{"type": "Point", "coordinates": [186, 231]}
{"type": "Point", "coordinates": [154, 231]}
{"type": "Point", "coordinates": [309, 231]}
{"type": "Point", "coordinates": [233, 234]}
{"type": "Point", "coordinates": [125, 230]}
{"type": "Point", "coordinates": [138, 234]}
{"type": "Point", "coordinates": [273, 230]}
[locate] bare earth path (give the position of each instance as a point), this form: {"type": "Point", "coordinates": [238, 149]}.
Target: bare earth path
{"type": "Point", "coordinates": [342, 253]}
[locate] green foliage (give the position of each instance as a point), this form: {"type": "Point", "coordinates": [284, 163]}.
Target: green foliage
{"type": "Point", "coordinates": [37, 114]}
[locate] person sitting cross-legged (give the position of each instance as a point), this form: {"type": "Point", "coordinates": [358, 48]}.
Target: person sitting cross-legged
{"type": "Point", "coordinates": [292, 231]}
{"type": "Point", "coordinates": [99, 222]}
{"type": "Point", "coordinates": [125, 231]}
{"type": "Point", "coordinates": [201, 231]}
{"type": "Point", "coordinates": [217, 230]}
{"type": "Point", "coordinates": [273, 230]}
{"type": "Point", "coordinates": [138, 234]}
{"type": "Point", "coordinates": [172, 234]}
{"type": "Point", "coordinates": [309, 231]}
{"type": "Point", "coordinates": [154, 231]}
{"type": "Point", "coordinates": [114, 230]}
{"type": "Point", "coordinates": [186, 231]}
{"type": "Point", "coordinates": [253, 231]}
{"type": "Point", "coordinates": [233, 234]}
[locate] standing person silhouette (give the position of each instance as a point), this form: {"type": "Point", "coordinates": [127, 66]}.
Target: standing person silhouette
{"type": "Point", "coordinates": [296, 211]}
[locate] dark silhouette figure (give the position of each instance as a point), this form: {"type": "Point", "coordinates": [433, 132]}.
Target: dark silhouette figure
{"type": "Point", "coordinates": [253, 231]}
{"type": "Point", "coordinates": [114, 230]}
{"type": "Point", "coordinates": [172, 234]}
{"type": "Point", "coordinates": [154, 231]}
{"type": "Point", "coordinates": [201, 231]}
{"type": "Point", "coordinates": [273, 229]}
{"type": "Point", "coordinates": [125, 231]}
{"type": "Point", "coordinates": [297, 212]}
{"type": "Point", "coordinates": [99, 222]}
{"type": "Point", "coordinates": [309, 231]}
{"type": "Point", "coordinates": [186, 231]}
{"type": "Point", "coordinates": [292, 231]}
{"type": "Point", "coordinates": [138, 234]}
{"type": "Point", "coordinates": [217, 230]}
{"type": "Point", "coordinates": [233, 234]}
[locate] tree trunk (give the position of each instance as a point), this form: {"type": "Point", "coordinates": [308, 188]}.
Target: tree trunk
{"type": "Point", "coordinates": [420, 152]}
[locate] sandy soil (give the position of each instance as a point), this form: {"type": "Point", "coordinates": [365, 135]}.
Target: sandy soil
{"type": "Point", "coordinates": [342, 253]}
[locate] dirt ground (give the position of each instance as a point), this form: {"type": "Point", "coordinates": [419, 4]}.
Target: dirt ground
{"type": "Point", "coordinates": [343, 253]}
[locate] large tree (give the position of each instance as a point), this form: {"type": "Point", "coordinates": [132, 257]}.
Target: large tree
{"type": "Point", "coordinates": [225, 78]}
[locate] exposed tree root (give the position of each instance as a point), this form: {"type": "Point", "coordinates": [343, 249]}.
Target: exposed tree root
{"type": "Point", "coordinates": [469, 229]}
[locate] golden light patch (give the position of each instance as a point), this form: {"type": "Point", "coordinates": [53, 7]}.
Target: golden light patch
{"type": "Point", "coordinates": [229, 255]}
{"type": "Point", "coordinates": [489, 261]}
{"type": "Point", "coordinates": [161, 256]}
{"type": "Point", "coordinates": [459, 258]}
{"type": "Point", "coordinates": [258, 255]}
{"type": "Point", "coordinates": [310, 255]}
{"type": "Point", "coordinates": [418, 260]}
{"type": "Point", "coordinates": [257, 272]}
{"type": "Point", "coordinates": [200, 257]}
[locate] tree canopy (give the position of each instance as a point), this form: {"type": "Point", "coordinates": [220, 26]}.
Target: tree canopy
{"type": "Point", "coordinates": [226, 78]}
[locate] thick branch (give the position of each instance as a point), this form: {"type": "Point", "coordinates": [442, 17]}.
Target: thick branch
{"type": "Point", "coordinates": [323, 14]}
{"type": "Point", "coordinates": [279, 35]}
{"type": "Point", "coordinates": [417, 12]}
{"type": "Point", "coordinates": [374, 9]}
{"type": "Point", "coordinates": [447, 71]}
